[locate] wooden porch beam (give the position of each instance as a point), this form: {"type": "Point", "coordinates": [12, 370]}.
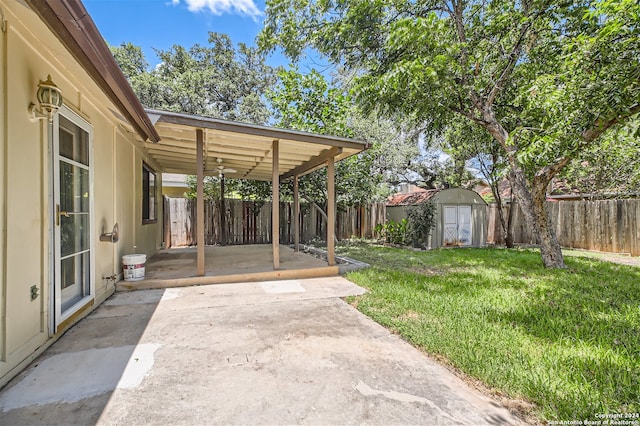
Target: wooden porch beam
{"type": "Point", "coordinates": [260, 161]}
{"type": "Point", "coordinates": [315, 162]}
{"type": "Point", "coordinates": [296, 214]}
{"type": "Point", "coordinates": [331, 211]}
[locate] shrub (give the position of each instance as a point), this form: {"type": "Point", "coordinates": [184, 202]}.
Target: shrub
{"type": "Point", "coordinates": [422, 219]}
{"type": "Point", "coordinates": [392, 231]}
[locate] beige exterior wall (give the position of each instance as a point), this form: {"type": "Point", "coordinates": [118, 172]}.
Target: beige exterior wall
{"type": "Point", "coordinates": [28, 53]}
{"type": "Point", "coordinates": [174, 191]}
{"type": "Point", "coordinates": [3, 229]}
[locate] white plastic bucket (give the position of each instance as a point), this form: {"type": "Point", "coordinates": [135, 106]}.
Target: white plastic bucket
{"type": "Point", "coordinates": [133, 266]}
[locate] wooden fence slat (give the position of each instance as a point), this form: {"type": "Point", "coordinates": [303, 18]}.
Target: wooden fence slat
{"type": "Point", "coordinates": [592, 218]}
{"type": "Point", "coordinates": [634, 227]}
{"type": "Point", "coordinates": [601, 225]}
{"type": "Point", "coordinates": [249, 222]}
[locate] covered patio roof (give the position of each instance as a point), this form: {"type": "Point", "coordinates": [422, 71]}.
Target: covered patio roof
{"type": "Point", "coordinates": [207, 146]}
{"type": "Point", "coordinates": [244, 150]}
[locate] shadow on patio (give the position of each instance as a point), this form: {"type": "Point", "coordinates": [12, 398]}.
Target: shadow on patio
{"type": "Point", "coordinates": [64, 386]}
{"type": "Point", "coordinates": [177, 267]}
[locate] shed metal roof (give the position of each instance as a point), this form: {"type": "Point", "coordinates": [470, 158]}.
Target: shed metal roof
{"type": "Point", "coordinates": [417, 197]}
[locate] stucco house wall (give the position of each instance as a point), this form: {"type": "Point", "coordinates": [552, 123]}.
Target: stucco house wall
{"type": "Point", "coordinates": [28, 53]}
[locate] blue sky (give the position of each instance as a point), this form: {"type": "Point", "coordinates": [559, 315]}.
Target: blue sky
{"type": "Point", "coordinates": [162, 23]}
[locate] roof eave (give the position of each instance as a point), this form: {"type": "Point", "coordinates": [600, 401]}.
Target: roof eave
{"type": "Point", "coordinates": [197, 121]}
{"type": "Point", "coordinates": [72, 25]}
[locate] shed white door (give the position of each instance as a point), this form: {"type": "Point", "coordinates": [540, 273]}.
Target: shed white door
{"type": "Point", "coordinates": [457, 226]}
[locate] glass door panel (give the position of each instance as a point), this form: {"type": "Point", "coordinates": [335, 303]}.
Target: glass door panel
{"type": "Point", "coordinates": [72, 195]}
{"type": "Point", "coordinates": [74, 209]}
{"type": "Point", "coordinates": [464, 225]}
{"type": "Point", "coordinates": [74, 274]}
{"type": "Point", "coordinates": [457, 226]}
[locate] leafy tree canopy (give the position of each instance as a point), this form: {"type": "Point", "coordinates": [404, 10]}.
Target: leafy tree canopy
{"type": "Point", "coordinates": [610, 168]}
{"type": "Point", "coordinates": [216, 80]}
{"type": "Point", "coordinates": [544, 78]}
{"type": "Point", "coordinates": [309, 103]}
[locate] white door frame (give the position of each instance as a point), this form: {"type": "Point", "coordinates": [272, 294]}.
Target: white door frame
{"type": "Point", "coordinates": [456, 229]}
{"type": "Point", "coordinates": [57, 316]}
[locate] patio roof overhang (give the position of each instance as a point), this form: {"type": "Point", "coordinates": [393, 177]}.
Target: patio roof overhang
{"type": "Point", "coordinates": [203, 146]}
{"type": "Point", "coordinates": [245, 148]}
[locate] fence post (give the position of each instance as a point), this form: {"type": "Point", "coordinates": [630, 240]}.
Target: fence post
{"type": "Point", "coordinates": [166, 220]}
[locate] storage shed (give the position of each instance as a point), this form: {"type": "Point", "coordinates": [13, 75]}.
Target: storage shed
{"type": "Point", "coordinates": [461, 215]}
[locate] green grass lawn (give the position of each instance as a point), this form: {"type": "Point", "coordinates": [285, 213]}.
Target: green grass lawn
{"type": "Point", "coordinates": [566, 340]}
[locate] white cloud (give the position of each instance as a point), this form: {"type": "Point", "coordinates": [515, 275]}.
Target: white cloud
{"type": "Point", "coordinates": [219, 7]}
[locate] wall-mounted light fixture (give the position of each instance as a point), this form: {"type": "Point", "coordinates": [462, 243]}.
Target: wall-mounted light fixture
{"type": "Point", "coordinates": [50, 100]}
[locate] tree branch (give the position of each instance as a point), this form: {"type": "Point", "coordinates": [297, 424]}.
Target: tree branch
{"type": "Point", "coordinates": [316, 206]}
{"type": "Point", "coordinates": [513, 59]}
{"type": "Point", "coordinates": [457, 15]}
{"type": "Point", "coordinates": [550, 170]}
{"type": "Point", "coordinates": [588, 136]}
{"type": "Point", "coordinates": [469, 115]}
{"type": "Point", "coordinates": [600, 126]}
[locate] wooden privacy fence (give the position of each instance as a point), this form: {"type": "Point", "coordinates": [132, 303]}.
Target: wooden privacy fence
{"type": "Point", "coordinates": [603, 225]}
{"type": "Point", "coordinates": [249, 222]}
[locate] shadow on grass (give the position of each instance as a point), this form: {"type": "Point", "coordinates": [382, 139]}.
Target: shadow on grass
{"type": "Point", "coordinates": [593, 301]}
{"type": "Point", "coordinates": [567, 339]}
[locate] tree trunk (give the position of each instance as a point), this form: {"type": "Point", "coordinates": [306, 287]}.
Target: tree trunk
{"type": "Point", "coordinates": [317, 207]}
{"type": "Point", "coordinates": [549, 246]}
{"type": "Point", "coordinates": [532, 202]}
{"type": "Point", "coordinates": [323, 214]}
{"type": "Point", "coordinates": [534, 207]}
{"type": "Point", "coordinates": [509, 240]}
{"type": "Point", "coordinates": [505, 224]}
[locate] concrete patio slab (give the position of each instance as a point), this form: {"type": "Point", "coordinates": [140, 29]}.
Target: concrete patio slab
{"type": "Point", "coordinates": [177, 267]}
{"type": "Point", "coordinates": [285, 352]}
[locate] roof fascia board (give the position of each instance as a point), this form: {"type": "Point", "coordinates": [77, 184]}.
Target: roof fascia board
{"type": "Point", "coordinates": [255, 130]}
{"type": "Point", "coordinates": [72, 25]}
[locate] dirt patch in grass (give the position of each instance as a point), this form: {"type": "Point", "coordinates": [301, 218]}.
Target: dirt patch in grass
{"type": "Point", "coordinates": [429, 272]}
{"type": "Point", "coordinates": [621, 259]}
{"type": "Point", "coordinates": [353, 301]}
{"type": "Point", "coordinates": [410, 316]}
